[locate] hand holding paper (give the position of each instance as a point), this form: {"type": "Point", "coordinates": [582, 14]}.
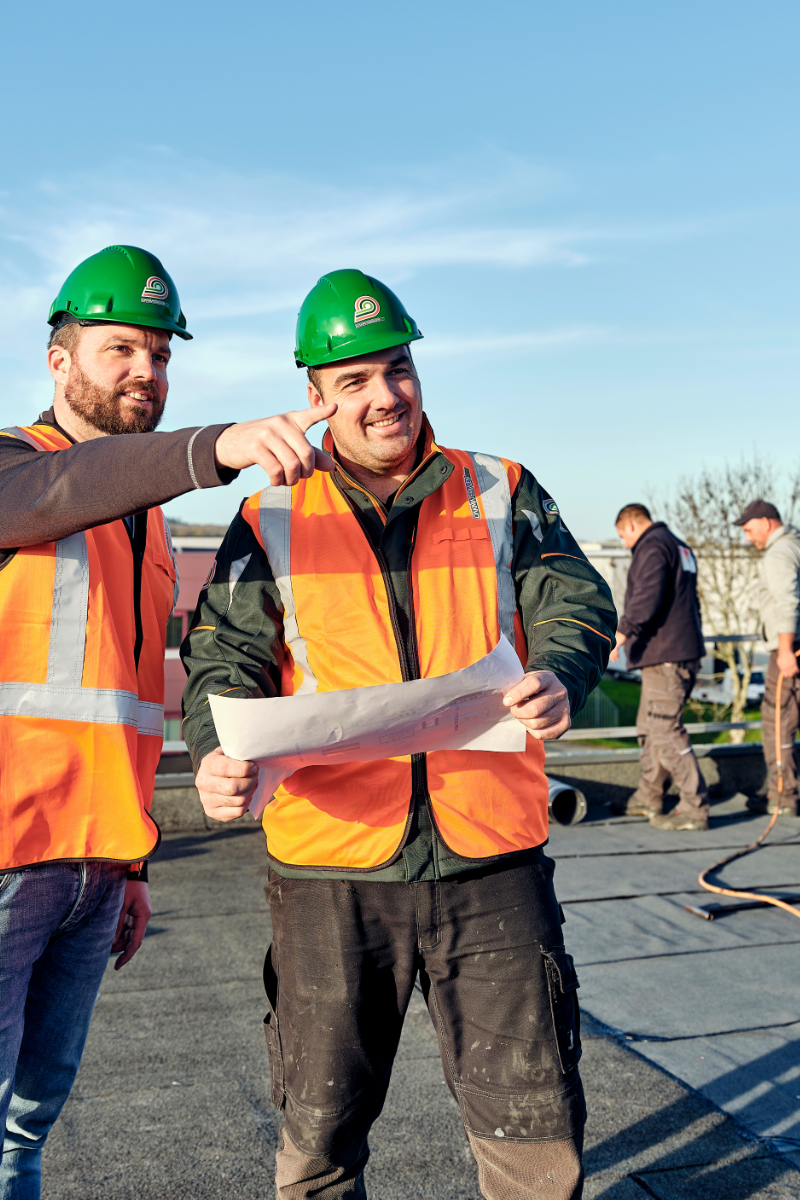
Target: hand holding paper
{"type": "Point", "coordinates": [460, 711]}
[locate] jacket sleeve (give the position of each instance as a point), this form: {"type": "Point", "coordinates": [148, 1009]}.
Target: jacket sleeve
{"type": "Point", "coordinates": [47, 496]}
{"type": "Point", "coordinates": [234, 645]}
{"type": "Point", "coordinates": [781, 574]}
{"type": "Point", "coordinates": [644, 594]}
{"type": "Point", "coordinates": [565, 605]}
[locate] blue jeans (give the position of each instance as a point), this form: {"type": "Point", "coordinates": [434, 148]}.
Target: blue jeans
{"type": "Point", "coordinates": [57, 923]}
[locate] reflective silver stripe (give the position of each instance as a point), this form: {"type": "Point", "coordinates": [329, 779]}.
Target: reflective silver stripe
{"type": "Point", "coordinates": [151, 719]}
{"type": "Point", "coordinates": [96, 706]}
{"type": "Point", "coordinates": [275, 522]}
{"type": "Point", "coordinates": [177, 587]}
{"type": "Point", "coordinates": [535, 524]}
{"type": "Point", "coordinates": [190, 459]}
{"type": "Point", "coordinates": [62, 698]}
{"type": "Point", "coordinates": [16, 432]}
{"type": "Point", "coordinates": [496, 500]}
{"type": "Point", "coordinates": [235, 574]}
{"type": "Point", "coordinates": [70, 612]}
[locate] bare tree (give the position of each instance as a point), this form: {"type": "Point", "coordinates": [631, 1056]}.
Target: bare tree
{"type": "Point", "coordinates": [702, 512]}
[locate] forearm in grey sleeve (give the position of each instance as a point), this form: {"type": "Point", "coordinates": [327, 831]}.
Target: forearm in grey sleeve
{"type": "Point", "coordinates": [49, 495]}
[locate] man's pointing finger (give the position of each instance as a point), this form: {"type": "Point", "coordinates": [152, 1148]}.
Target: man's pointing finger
{"type": "Point", "coordinates": [306, 417]}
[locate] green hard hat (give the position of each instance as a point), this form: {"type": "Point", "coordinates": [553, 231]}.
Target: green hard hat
{"type": "Point", "coordinates": [347, 314]}
{"type": "Point", "coordinates": [125, 286]}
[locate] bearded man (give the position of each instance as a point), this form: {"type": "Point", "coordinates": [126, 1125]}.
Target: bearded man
{"type": "Point", "coordinates": [87, 584]}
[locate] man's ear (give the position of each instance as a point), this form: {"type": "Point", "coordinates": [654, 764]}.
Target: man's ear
{"type": "Point", "coordinates": [59, 361]}
{"type": "Point", "coordinates": [314, 398]}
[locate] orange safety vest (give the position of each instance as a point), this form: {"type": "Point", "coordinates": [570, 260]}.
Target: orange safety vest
{"type": "Point", "coordinates": [338, 633]}
{"type": "Point", "coordinates": [81, 727]}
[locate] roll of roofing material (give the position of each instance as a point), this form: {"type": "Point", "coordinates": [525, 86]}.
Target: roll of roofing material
{"type": "Point", "coordinates": [567, 804]}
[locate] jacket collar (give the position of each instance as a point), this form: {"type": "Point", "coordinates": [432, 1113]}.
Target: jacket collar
{"type": "Point", "coordinates": [650, 529]}
{"type": "Point", "coordinates": [49, 418]}
{"type": "Point", "coordinates": [781, 532]}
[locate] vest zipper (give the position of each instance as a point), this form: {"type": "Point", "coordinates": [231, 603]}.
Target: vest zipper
{"type": "Point", "coordinates": [138, 542]}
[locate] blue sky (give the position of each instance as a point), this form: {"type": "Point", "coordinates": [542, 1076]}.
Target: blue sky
{"type": "Point", "coordinates": [591, 211]}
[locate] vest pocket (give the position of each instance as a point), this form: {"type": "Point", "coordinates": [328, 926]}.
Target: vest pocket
{"type": "Point", "coordinates": [468, 533]}
{"type": "Point", "coordinates": [165, 562]}
{"type": "Point", "coordinates": [272, 1034]}
{"type": "Point", "coordinates": [562, 984]}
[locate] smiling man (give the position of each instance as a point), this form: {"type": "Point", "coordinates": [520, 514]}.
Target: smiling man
{"type": "Point", "coordinates": [87, 583]}
{"type": "Point", "coordinates": [408, 561]}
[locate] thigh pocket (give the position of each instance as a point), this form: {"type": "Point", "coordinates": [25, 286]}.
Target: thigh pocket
{"type": "Point", "coordinates": [272, 1033]}
{"type": "Point", "coordinates": [562, 985]}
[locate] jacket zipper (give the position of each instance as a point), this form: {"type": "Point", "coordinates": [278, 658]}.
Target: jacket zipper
{"type": "Point", "coordinates": [408, 655]}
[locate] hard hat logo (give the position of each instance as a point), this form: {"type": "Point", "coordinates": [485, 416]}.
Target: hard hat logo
{"type": "Point", "coordinates": [349, 314]}
{"type": "Point", "coordinates": [155, 291]}
{"type": "Point", "coordinates": [366, 311]}
{"type": "Point", "coordinates": [108, 287]}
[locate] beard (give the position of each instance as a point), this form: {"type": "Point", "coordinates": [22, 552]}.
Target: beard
{"type": "Point", "coordinates": [106, 410]}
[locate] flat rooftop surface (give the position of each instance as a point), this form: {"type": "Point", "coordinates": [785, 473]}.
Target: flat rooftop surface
{"type": "Point", "coordinates": [682, 1019]}
{"type": "Point", "coordinates": [716, 1003]}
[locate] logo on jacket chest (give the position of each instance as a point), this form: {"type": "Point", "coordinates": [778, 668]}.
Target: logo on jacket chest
{"type": "Point", "coordinates": [470, 488]}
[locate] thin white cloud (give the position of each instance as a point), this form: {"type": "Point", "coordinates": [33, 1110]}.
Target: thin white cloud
{"type": "Point", "coordinates": [247, 246]}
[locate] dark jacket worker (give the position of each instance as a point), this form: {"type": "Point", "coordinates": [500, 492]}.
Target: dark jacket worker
{"type": "Point", "coordinates": [662, 634]}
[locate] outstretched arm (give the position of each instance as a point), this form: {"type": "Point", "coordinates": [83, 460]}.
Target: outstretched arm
{"type": "Point", "coordinates": [47, 496]}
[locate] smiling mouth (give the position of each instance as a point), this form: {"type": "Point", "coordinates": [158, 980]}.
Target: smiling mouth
{"type": "Point", "coordinates": [138, 396]}
{"type": "Point", "coordinates": [387, 422]}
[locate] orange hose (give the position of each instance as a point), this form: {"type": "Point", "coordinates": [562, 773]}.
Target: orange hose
{"type": "Point", "coordinates": [764, 899]}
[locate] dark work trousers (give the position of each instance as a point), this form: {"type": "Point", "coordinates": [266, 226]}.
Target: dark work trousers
{"type": "Point", "coordinates": [501, 991]}
{"type": "Point", "coordinates": [667, 753]}
{"type": "Point", "coordinates": [790, 710]}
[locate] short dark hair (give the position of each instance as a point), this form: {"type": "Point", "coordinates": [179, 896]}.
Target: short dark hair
{"type": "Point", "coordinates": [315, 379]}
{"type": "Point", "coordinates": [67, 335]}
{"type": "Point", "coordinates": [633, 512]}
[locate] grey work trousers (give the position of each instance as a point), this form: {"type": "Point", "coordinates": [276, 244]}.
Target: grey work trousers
{"type": "Point", "coordinates": [506, 1170]}
{"type": "Point", "coordinates": [790, 712]}
{"type": "Point", "coordinates": [667, 753]}
{"type": "Point", "coordinates": [501, 990]}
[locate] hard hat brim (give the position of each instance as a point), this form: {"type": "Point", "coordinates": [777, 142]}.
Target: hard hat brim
{"type": "Point", "coordinates": [123, 318]}
{"type": "Point", "coordinates": [364, 346]}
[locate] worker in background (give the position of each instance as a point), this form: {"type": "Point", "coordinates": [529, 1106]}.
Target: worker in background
{"type": "Point", "coordinates": [779, 602]}
{"type": "Point", "coordinates": [87, 584]}
{"type": "Point", "coordinates": [408, 562]}
{"type": "Point", "coordinates": [661, 631]}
